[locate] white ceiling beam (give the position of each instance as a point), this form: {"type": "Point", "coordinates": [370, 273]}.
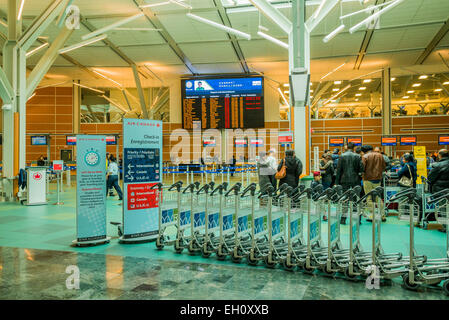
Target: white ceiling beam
{"type": "Point", "coordinates": [6, 90]}
{"type": "Point", "coordinates": [313, 21]}
{"type": "Point", "coordinates": [40, 24]}
{"type": "Point", "coordinates": [47, 60]}
{"type": "Point", "coordinates": [273, 14]}
{"type": "Point", "coordinates": [143, 106]}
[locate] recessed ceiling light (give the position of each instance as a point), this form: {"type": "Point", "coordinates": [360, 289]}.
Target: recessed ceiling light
{"type": "Point", "coordinates": [410, 91]}
{"type": "Point", "coordinates": [311, 97]}
{"type": "Point", "coordinates": [356, 99]}
{"type": "Point", "coordinates": [286, 84]}
{"type": "Point", "coordinates": [337, 82]}
{"type": "Point", "coordinates": [358, 94]}
{"type": "Point", "coordinates": [446, 83]}
{"type": "Point", "coordinates": [362, 88]}
{"type": "Point", "coordinates": [311, 90]}
{"type": "Point", "coordinates": [335, 89]}
{"type": "Point", "coordinates": [311, 84]}
{"type": "Point", "coordinates": [438, 90]}
{"type": "Point", "coordinates": [405, 97]}
{"type": "Point", "coordinates": [367, 81]}
{"type": "Point", "coordinates": [416, 85]}
{"type": "Point", "coordinates": [392, 79]}
{"type": "Point", "coordinates": [286, 92]}
{"type": "Point", "coordinates": [423, 77]}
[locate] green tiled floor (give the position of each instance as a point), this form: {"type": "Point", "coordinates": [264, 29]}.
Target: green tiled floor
{"type": "Point", "coordinates": [52, 228]}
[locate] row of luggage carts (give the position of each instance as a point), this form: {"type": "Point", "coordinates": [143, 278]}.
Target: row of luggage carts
{"type": "Point", "coordinates": [285, 227]}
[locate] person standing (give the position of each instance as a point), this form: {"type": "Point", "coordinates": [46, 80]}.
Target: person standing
{"type": "Point", "coordinates": [293, 169]}
{"type": "Point", "coordinates": [374, 166]}
{"type": "Point", "coordinates": [264, 171]}
{"type": "Point", "coordinates": [112, 177]}
{"type": "Point", "coordinates": [409, 170]}
{"type": "Point", "coordinates": [438, 177]}
{"type": "Point", "coordinates": [327, 170]}
{"type": "Point", "coordinates": [349, 168]}
{"type": "Point", "coordinates": [272, 162]}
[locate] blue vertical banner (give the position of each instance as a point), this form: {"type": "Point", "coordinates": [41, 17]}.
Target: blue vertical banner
{"type": "Point", "coordinates": [91, 190]}
{"type": "Point", "coordinates": [142, 165]}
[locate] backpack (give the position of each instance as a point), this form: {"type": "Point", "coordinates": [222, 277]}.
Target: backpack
{"type": "Point", "coordinates": [282, 172]}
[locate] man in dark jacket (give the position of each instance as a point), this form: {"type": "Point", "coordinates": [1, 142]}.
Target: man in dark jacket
{"type": "Point", "coordinates": [438, 177]}
{"type": "Point", "coordinates": [349, 169]}
{"type": "Point", "coordinates": [294, 169]}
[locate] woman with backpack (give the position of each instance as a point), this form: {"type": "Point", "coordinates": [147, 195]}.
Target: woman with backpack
{"type": "Point", "coordinates": [289, 169]}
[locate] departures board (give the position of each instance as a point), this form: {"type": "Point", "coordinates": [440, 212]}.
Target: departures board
{"type": "Point", "coordinates": [223, 103]}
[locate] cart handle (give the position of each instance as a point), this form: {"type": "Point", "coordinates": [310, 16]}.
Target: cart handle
{"type": "Point", "coordinates": [439, 193]}
{"type": "Point", "coordinates": [157, 185]}
{"type": "Point", "coordinates": [344, 195]}
{"type": "Point", "coordinates": [236, 188]}
{"type": "Point", "coordinates": [197, 185]}
{"type": "Point", "coordinates": [373, 193]}
{"type": "Point", "coordinates": [306, 190]}
{"type": "Point", "coordinates": [205, 188]}
{"type": "Point", "coordinates": [267, 192]}
{"type": "Point", "coordinates": [442, 194]}
{"type": "Point", "coordinates": [190, 186]}
{"type": "Point", "coordinates": [211, 184]}
{"type": "Point", "coordinates": [176, 185]}
{"type": "Point", "coordinates": [225, 186]}
{"type": "Point", "coordinates": [265, 187]}
{"type": "Point", "coordinates": [355, 195]}
{"type": "Point", "coordinates": [219, 188]}
{"type": "Point", "coordinates": [410, 193]}
{"type": "Point", "coordinates": [252, 187]}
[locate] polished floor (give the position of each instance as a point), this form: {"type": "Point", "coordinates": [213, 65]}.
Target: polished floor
{"type": "Point", "coordinates": [35, 250]}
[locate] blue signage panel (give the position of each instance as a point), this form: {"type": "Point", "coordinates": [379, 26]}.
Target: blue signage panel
{"type": "Point", "coordinates": [142, 165]}
{"type": "Point", "coordinates": [90, 188]}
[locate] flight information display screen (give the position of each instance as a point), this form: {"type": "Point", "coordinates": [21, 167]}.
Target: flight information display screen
{"type": "Point", "coordinates": [223, 103]}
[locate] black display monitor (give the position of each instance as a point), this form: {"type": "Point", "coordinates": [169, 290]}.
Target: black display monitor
{"type": "Point", "coordinates": [39, 140]}
{"type": "Point", "coordinates": [70, 140]}
{"type": "Point", "coordinates": [408, 141]}
{"type": "Point", "coordinates": [111, 140]}
{"type": "Point", "coordinates": [443, 139]}
{"type": "Point", "coordinates": [223, 102]}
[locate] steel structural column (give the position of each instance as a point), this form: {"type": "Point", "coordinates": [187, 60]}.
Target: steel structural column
{"type": "Point", "coordinates": [76, 90]}
{"type": "Point", "coordinates": [386, 105]}
{"type": "Point", "coordinates": [9, 65]}
{"type": "Point", "coordinates": [299, 57]}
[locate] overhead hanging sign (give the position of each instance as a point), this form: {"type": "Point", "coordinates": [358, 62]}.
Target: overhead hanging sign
{"type": "Point", "coordinates": [443, 139]}
{"type": "Point", "coordinates": [142, 165]}
{"type": "Point", "coordinates": [389, 141]}
{"type": "Point", "coordinates": [408, 141]}
{"type": "Point", "coordinates": [336, 142]}
{"type": "Point", "coordinates": [285, 137]}
{"type": "Point", "coordinates": [91, 190]}
{"type": "Point", "coordinates": [256, 142]}
{"type": "Point", "coordinates": [357, 141]}
{"type": "Point", "coordinates": [58, 165]}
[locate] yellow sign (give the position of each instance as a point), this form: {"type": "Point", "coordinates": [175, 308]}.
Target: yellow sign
{"type": "Point", "coordinates": [421, 159]}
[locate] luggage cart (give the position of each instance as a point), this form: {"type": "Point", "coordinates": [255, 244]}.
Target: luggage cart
{"type": "Point", "coordinates": [185, 217]}
{"type": "Point", "coordinates": [277, 231]}
{"type": "Point", "coordinates": [296, 210]}
{"type": "Point", "coordinates": [259, 228]}
{"type": "Point", "coordinates": [198, 223]}
{"type": "Point", "coordinates": [391, 265]}
{"type": "Point", "coordinates": [227, 214]}
{"type": "Point", "coordinates": [168, 209]}
{"type": "Point", "coordinates": [390, 184]}
{"type": "Point", "coordinates": [432, 271]}
{"type": "Point", "coordinates": [428, 209]}
{"type": "Point", "coordinates": [243, 223]}
{"type": "Point", "coordinates": [212, 218]}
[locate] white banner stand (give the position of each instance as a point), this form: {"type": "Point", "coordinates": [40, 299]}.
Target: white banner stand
{"type": "Point", "coordinates": [36, 186]}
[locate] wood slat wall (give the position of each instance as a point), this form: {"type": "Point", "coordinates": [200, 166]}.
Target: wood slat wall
{"type": "Point", "coordinates": [400, 126]}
